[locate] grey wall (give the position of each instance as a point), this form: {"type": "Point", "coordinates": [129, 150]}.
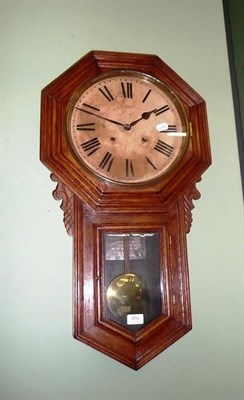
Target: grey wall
{"type": "Point", "coordinates": [41, 360]}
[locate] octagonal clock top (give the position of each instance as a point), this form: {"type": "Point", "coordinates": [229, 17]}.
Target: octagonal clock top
{"type": "Point", "coordinates": [125, 119]}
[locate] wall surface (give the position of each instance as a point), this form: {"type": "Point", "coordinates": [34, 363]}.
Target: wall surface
{"type": "Point", "coordinates": [40, 359]}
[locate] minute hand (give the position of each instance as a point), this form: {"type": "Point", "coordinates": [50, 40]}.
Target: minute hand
{"type": "Point", "coordinates": [99, 116]}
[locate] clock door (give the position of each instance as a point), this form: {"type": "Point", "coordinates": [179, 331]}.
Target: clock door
{"type": "Point", "coordinates": [132, 290]}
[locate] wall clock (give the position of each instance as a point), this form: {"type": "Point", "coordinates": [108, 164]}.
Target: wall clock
{"type": "Point", "coordinates": [126, 140]}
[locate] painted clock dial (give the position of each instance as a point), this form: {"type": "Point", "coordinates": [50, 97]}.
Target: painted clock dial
{"type": "Point", "coordinates": [127, 127]}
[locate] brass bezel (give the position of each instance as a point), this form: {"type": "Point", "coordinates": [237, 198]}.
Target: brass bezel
{"type": "Point", "coordinates": [148, 78]}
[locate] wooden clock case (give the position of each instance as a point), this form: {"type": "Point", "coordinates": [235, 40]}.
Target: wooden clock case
{"type": "Point", "coordinates": [94, 207]}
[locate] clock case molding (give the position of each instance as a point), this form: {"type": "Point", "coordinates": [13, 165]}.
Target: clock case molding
{"type": "Point", "coordinates": [93, 207]}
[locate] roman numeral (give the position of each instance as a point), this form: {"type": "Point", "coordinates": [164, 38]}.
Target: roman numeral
{"type": "Point", "coordinates": [146, 96]}
{"type": "Point", "coordinates": [161, 110]}
{"type": "Point", "coordinates": [91, 146]}
{"type": "Point", "coordinates": [164, 148]}
{"type": "Point", "coordinates": [127, 90]}
{"type": "Point", "coordinates": [171, 128]}
{"type": "Point", "coordinates": [107, 161]}
{"type": "Point", "coordinates": [86, 127]}
{"type": "Point", "coordinates": [107, 94]}
{"type": "Point", "coordinates": [129, 170]}
{"type": "Point", "coordinates": [151, 163]}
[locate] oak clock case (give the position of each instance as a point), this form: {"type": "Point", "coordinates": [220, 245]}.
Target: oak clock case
{"type": "Point", "coordinates": [126, 140]}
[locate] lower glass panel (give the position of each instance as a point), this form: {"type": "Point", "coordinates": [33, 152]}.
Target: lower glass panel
{"type": "Point", "coordinates": [132, 278]}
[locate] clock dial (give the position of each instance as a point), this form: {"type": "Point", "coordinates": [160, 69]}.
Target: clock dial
{"type": "Point", "coordinates": [127, 127]}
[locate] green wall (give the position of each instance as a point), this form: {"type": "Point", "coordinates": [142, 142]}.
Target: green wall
{"type": "Point", "coordinates": [234, 17]}
{"type": "Point", "coordinates": [40, 358]}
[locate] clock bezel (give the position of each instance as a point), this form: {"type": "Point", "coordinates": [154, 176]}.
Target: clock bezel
{"type": "Point", "coordinates": [171, 95]}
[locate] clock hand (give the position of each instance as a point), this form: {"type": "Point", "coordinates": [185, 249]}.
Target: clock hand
{"type": "Point", "coordinates": [99, 116]}
{"type": "Point", "coordinates": [144, 115]}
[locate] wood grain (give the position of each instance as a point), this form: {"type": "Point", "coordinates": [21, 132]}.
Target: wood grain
{"type": "Point", "coordinates": [94, 207]}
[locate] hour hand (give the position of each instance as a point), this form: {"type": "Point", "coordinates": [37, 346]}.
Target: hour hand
{"type": "Point", "coordinates": [144, 115]}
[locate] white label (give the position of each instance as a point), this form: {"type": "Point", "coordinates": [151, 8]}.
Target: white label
{"type": "Point", "coordinates": [162, 127]}
{"type": "Point", "coordinates": [135, 319]}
